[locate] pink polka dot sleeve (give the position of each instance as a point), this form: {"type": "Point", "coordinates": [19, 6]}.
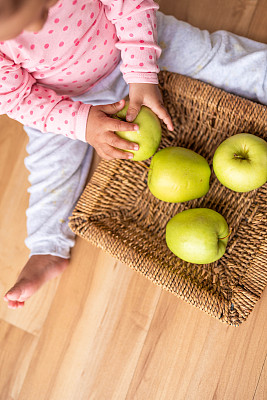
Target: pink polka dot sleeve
{"type": "Point", "coordinates": [33, 105]}
{"type": "Point", "coordinates": [135, 22]}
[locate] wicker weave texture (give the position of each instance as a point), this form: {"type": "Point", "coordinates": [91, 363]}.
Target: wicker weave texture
{"type": "Point", "coordinates": [118, 213]}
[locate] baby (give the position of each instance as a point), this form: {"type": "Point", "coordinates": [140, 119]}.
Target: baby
{"type": "Point", "coordinates": [65, 68]}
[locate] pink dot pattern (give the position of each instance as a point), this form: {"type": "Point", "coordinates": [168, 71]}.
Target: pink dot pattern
{"type": "Point", "coordinates": [80, 44]}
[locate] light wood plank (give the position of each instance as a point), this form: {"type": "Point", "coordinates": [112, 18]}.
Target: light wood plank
{"type": "Point", "coordinates": [12, 143]}
{"type": "Point", "coordinates": [258, 25]}
{"type": "Point", "coordinates": [243, 17]}
{"type": "Point", "coordinates": [198, 357]}
{"type": "Point", "coordinates": [94, 334]}
{"type": "Point", "coordinates": [261, 389]}
{"type": "Point", "coordinates": [16, 350]}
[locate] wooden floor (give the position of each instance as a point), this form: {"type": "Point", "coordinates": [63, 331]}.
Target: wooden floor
{"type": "Point", "coordinates": [102, 331]}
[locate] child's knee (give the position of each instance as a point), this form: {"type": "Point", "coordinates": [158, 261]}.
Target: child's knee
{"type": "Point", "coordinates": [183, 46]}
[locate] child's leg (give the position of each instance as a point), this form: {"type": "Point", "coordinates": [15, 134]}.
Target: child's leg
{"type": "Point", "coordinates": [58, 169]}
{"type": "Point", "coordinates": [233, 63]}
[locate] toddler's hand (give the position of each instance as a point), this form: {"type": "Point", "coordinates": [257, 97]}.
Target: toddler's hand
{"type": "Point", "coordinates": [149, 95]}
{"type": "Point", "coordinates": [100, 132]}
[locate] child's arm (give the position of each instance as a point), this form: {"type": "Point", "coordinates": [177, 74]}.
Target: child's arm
{"type": "Point", "coordinates": [135, 22]}
{"type": "Point", "coordinates": [24, 100]}
{"type": "Point", "coordinates": [149, 95]}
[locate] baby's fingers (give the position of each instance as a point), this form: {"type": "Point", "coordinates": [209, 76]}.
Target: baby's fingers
{"type": "Point", "coordinates": [118, 125]}
{"type": "Point", "coordinates": [110, 153]}
{"type": "Point", "coordinates": [163, 114]}
{"type": "Point", "coordinates": [115, 141]}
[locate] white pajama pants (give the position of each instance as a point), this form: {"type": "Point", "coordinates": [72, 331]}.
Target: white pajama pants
{"type": "Point", "coordinates": [59, 166]}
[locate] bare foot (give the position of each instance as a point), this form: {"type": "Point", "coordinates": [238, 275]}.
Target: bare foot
{"type": "Point", "coordinates": [38, 270]}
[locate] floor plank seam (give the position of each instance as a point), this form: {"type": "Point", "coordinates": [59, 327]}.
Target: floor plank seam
{"type": "Point", "coordinates": [259, 377]}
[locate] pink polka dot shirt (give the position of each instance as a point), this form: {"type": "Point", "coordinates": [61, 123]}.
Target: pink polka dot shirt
{"type": "Point", "coordinates": [81, 42]}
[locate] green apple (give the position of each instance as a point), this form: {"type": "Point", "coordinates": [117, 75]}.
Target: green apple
{"type": "Point", "coordinates": [149, 135]}
{"type": "Point", "coordinates": [198, 235]}
{"type": "Point", "coordinates": [240, 162]}
{"type": "Point", "coordinates": [178, 174]}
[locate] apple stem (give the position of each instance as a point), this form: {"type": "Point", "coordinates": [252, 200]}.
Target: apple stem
{"type": "Point", "coordinates": [239, 157]}
{"type": "Point", "coordinates": [142, 164]}
{"type": "Point", "coordinates": [225, 237]}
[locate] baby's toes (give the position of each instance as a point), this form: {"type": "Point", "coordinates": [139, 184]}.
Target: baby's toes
{"type": "Point", "coordinates": [16, 293]}
{"type": "Point", "coordinates": [15, 304]}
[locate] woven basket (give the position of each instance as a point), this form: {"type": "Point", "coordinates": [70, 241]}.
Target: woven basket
{"type": "Point", "coordinates": [118, 213]}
